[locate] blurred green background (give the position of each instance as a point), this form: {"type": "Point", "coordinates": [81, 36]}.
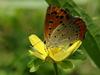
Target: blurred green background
{"type": "Point", "coordinates": [19, 19]}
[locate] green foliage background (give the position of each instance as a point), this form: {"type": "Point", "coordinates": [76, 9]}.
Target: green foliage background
{"type": "Point", "coordinates": [20, 18]}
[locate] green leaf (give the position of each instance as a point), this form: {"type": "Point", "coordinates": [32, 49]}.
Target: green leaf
{"type": "Point", "coordinates": [34, 68]}
{"type": "Point", "coordinates": [90, 43]}
{"type": "Point", "coordinates": [53, 2]}
{"type": "Point", "coordinates": [66, 64]}
{"type": "Point", "coordinates": [92, 49]}
{"type": "Point", "coordinates": [97, 36]}
{"type": "Point", "coordinates": [34, 64]}
{"type": "Point", "coordinates": [78, 55]}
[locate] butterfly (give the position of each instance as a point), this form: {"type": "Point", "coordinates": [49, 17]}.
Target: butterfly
{"type": "Point", "coordinates": [61, 28]}
{"type": "Point", "coordinates": [63, 34]}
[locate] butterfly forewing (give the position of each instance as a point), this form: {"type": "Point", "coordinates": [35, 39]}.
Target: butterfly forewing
{"type": "Point", "coordinates": [54, 17]}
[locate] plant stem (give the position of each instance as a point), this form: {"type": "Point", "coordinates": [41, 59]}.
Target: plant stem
{"type": "Point", "coordinates": [56, 68]}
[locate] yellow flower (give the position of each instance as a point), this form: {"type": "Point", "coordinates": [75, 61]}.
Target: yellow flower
{"type": "Point", "coordinates": [57, 54]}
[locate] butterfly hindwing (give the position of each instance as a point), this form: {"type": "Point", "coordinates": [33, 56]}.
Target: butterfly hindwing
{"type": "Point", "coordinates": [81, 27]}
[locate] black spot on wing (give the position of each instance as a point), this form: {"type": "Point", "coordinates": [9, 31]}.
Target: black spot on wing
{"type": "Point", "coordinates": [50, 28]}
{"type": "Point", "coordinates": [57, 16]}
{"type": "Point", "coordinates": [54, 13]}
{"type": "Point", "coordinates": [61, 17]}
{"type": "Point", "coordinates": [48, 14]}
{"type": "Point", "coordinates": [44, 41]}
{"type": "Point", "coordinates": [61, 22]}
{"type": "Point", "coordinates": [50, 21]}
{"type": "Point", "coordinates": [55, 36]}
{"type": "Point", "coordinates": [62, 34]}
{"type": "Point", "coordinates": [49, 34]}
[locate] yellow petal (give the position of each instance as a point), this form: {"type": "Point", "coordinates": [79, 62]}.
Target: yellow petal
{"type": "Point", "coordinates": [62, 54]}
{"type": "Point", "coordinates": [38, 45]}
{"type": "Point", "coordinates": [37, 54]}
{"type": "Point", "coordinates": [53, 51]}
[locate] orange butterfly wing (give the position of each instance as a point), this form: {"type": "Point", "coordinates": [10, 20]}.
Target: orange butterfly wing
{"type": "Point", "coordinates": [54, 17]}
